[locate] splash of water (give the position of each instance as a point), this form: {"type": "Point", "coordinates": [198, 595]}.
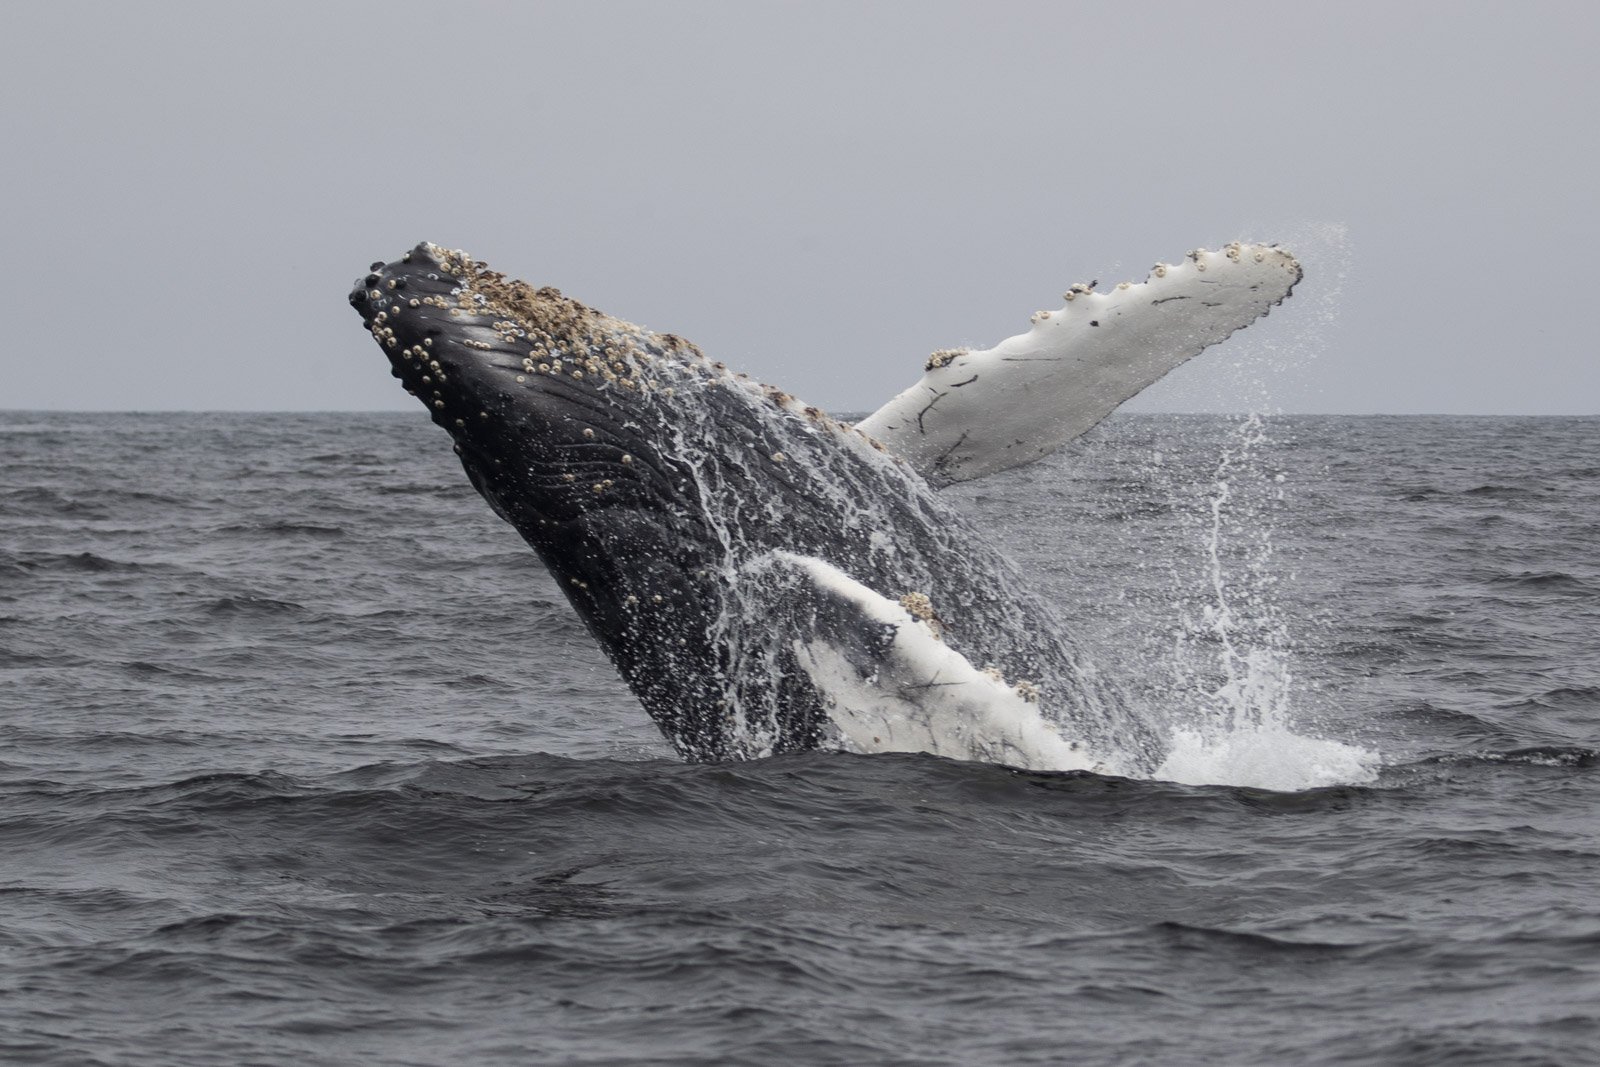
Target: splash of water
{"type": "Point", "coordinates": [1235, 687]}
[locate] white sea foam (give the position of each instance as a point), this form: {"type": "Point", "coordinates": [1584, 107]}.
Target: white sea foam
{"type": "Point", "coordinates": [1269, 756]}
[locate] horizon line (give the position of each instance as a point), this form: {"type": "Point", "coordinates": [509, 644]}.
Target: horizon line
{"type": "Point", "coordinates": [838, 413]}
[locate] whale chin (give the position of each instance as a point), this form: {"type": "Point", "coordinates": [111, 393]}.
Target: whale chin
{"type": "Point", "coordinates": [766, 578]}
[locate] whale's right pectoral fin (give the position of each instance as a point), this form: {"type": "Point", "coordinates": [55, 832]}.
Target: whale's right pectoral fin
{"type": "Point", "coordinates": [978, 412]}
{"type": "Point", "coordinates": [890, 684]}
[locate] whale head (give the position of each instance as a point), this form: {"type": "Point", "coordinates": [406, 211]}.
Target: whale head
{"type": "Point", "coordinates": [556, 412]}
{"type": "Point", "coordinates": [525, 380]}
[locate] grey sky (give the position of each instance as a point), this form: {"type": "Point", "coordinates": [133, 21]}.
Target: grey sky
{"type": "Point", "coordinates": [817, 193]}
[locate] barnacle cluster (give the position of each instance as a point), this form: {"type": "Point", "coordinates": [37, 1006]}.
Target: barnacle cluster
{"type": "Point", "coordinates": [920, 606]}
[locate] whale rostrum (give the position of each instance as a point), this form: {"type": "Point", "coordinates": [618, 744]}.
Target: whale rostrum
{"type": "Point", "coordinates": [766, 578]}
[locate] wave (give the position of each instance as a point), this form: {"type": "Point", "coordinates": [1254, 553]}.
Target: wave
{"type": "Point", "coordinates": [1562, 698]}
{"type": "Point", "coordinates": [80, 562]}
{"type": "Point", "coordinates": [1534, 756]}
{"type": "Point", "coordinates": [172, 671]}
{"type": "Point", "coordinates": [1544, 581]}
{"type": "Point", "coordinates": [255, 606]}
{"type": "Point", "coordinates": [1498, 491]}
{"type": "Point", "coordinates": [285, 527]}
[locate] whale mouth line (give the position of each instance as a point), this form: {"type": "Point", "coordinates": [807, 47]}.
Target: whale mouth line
{"type": "Point", "coordinates": [556, 411]}
{"type": "Point", "coordinates": [474, 346]}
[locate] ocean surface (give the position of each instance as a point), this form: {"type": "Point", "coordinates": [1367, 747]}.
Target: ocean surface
{"type": "Point", "coordinates": [304, 760]}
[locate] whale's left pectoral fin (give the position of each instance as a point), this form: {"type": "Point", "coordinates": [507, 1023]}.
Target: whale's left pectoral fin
{"type": "Point", "coordinates": [890, 684]}
{"type": "Point", "coordinates": [978, 412]}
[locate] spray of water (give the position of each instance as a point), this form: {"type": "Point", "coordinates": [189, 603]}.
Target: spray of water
{"type": "Point", "coordinates": [1238, 714]}
{"type": "Point", "coordinates": [1235, 691]}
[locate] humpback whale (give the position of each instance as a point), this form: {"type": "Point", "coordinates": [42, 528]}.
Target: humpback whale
{"type": "Point", "coordinates": [765, 577]}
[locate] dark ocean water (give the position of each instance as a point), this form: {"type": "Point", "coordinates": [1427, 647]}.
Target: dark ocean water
{"type": "Point", "coordinates": [304, 760]}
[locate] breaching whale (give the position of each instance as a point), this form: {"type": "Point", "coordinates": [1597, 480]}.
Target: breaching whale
{"type": "Point", "coordinates": [765, 577]}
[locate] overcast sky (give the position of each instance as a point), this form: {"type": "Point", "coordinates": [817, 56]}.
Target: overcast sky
{"type": "Point", "coordinates": [818, 193]}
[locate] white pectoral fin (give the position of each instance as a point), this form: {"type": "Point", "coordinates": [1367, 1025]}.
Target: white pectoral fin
{"type": "Point", "coordinates": [978, 412]}
{"type": "Point", "coordinates": [889, 684]}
